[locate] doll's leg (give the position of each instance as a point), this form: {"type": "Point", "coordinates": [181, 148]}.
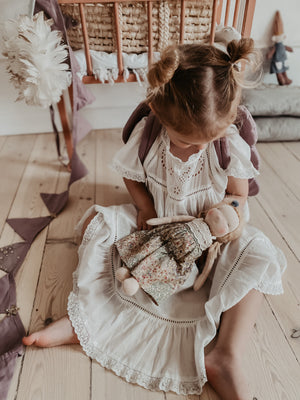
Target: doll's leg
{"type": "Point", "coordinates": [58, 333]}
{"type": "Point", "coordinates": [287, 81]}
{"type": "Point", "coordinates": [130, 286]}
{"type": "Point", "coordinates": [280, 78]}
{"type": "Point", "coordinates": [224, 364]}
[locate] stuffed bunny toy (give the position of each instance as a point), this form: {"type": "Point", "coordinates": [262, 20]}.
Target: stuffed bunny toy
{"type": "Point", "coordinates": [160, 260]}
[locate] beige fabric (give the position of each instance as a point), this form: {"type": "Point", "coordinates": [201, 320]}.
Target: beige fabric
{"type": "Point", "coordinates": [272, 100]}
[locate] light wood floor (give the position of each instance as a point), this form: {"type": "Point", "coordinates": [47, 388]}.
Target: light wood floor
{"type": "Point", "coordinates": [29, 166]}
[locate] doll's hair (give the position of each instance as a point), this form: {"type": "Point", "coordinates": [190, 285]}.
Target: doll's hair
{"type": "Point", "coordinates": [196, 87]}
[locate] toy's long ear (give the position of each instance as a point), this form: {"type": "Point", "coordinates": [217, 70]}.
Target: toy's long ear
{"type": "Point", "coordinates": [169, 220]}
{"type": "Point", "coordinates": [212, 254]}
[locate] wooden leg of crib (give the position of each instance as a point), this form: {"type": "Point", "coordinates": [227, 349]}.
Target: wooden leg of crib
{"type": "Point", "coordinates": [66, 127]}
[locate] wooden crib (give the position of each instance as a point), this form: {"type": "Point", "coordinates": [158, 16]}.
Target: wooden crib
{"type": "Point", "coordinates": [188, 21]}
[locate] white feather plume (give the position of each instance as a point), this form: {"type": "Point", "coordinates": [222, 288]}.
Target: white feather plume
{"type": "Point", "coordinates": [35, 59]}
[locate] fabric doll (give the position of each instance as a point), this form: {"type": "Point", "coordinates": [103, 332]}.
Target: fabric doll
{"type": "Point", "coordinates": [277, 54]}
{"type": "Point", "coordinates": [160, 260]}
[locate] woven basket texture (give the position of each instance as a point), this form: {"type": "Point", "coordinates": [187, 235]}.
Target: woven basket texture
{"type": "Point", "coordinates": [101, 26]}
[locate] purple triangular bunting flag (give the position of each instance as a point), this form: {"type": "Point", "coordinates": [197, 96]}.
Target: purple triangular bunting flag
{"type": "Point", "coordinates": [11, 333]}
{"type": "Point", "coordinates": [55, 202]}
{"type": "Point", "coordinates": [12, 256]}
{"type": "Point", "coordinates": [78, 168]}
{"type": "Point", "coordinates": [28, 228]}
{"type": "Point", "coordinates": [7, 292]}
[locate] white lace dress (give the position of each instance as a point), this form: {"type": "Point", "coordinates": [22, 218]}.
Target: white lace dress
{"type": "Point", "coordinates": [162, 348]}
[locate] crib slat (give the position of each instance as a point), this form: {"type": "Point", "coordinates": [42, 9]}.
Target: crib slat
{"type": "Point", "coordinates": [248, 17]}
{"type": "Point", "coordinates": [236, 13]}
{"type": "Point", "coordinates": [219, 11]}
{"type": "Point", "coordinates": [213, 22]}
{"type": "Point", "coordinates": [150, 33]}
{"type": "Point", "coordinates": [227, 12]}
{"type": "Point", "coordinates": [119, 39]}
{"type": "Point", "coordinates": [85, 41]}
{"type": "Point", "coordinates": [182, 19]}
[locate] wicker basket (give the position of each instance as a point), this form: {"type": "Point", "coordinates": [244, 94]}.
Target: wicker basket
{"type": "Point", "coordinates": [134, 24]}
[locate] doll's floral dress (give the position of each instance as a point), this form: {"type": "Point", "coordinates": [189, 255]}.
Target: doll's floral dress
{"type": "Point", "coordinates": [161, 260]}
{"type": "Point", "coordinates": [162, 347]}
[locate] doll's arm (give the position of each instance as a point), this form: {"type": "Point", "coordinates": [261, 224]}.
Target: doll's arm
{"type": "Point", "coordinates": [169, 220]}
{"type": "Point", "coordinates": [290, 49]}
{"type": "Point", "coordinates": [143, 200]}
{"type": "Point", "coordinates": [213, 252]}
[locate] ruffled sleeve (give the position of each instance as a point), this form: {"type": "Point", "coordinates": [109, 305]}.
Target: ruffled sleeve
{"type": "Point", "coordinates": [240, 165]}
{"type": "Point", "coordinates": [126, 161]}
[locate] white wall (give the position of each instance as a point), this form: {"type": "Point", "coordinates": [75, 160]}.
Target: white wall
{"type": "Point", "coordinates": [111, 109]}
{"type": "Point", "coordinates": [264, 16]}
{"type": "Point", "coordinates": [114, 103]}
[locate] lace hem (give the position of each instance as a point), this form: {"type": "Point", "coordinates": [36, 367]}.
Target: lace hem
{"type": "Point", "coordinates": [134, 176]}
{"type": "Point", "coordinates": [273, 289]}
{"type": "Point", "coordinates": [91, 229]}
{"type": "Point", "coordinates": [242, 173]}
{"type": "Point", "coordinates": [130, 375]}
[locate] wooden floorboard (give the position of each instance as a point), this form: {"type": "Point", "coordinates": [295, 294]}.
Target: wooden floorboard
{"type": "Point", "coordinates": [14, 154]}
{"type": "Point", "coordinates": [45, 278]}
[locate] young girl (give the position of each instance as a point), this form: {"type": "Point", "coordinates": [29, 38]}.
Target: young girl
{"type": "Point", "coordinates": [194, 90]}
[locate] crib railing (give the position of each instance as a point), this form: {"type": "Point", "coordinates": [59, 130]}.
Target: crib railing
{"type": "Point", "coordinates": [221, 10]}
{"type": "Point", "coordinates": [236, 13]}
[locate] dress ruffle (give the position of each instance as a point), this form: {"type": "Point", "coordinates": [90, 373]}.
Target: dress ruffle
{"type": "Point", "coordinates": [159, 348]}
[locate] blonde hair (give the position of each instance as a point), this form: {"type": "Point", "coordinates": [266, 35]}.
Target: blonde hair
{"type": "Point", "coordinates": [196, 87]}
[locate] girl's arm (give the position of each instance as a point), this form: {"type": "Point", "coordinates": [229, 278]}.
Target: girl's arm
{"type": "Point", "coordinates": [143, 200]}
{"type": "Point", "coordinates": [238, 189]}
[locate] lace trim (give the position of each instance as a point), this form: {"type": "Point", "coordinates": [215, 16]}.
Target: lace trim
{"type": "Point", "coordinates": [134, 176]}
{"type": "Point", "coordinates": [201, 232]}
{"type": "Point", "coordinates": [91, 229]}
{"type": "Point", "coordinates": [241, 173]}
{"type": "Point", "coordinates": [273, 289]}
{"type": "Point", "coordinates": [198, 156]}
{"type": "Point", "coordinates": [130, 375]}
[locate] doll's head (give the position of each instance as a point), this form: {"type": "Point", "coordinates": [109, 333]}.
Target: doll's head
{"type": "Point", "coordinates": [224, 220]}
{"type": "Point", "coordinates": [226, 223]}
{"type": "Point", "coordinates": [278, 32]}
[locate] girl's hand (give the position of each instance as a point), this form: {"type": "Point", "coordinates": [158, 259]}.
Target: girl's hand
{"type": "Point", "coordinates": [143, 216]}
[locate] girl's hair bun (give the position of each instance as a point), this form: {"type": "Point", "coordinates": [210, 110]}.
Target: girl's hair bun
{"type": "Point", "coordinates": [244, 59]}
{"type": "Point", "coordinates": [162, 71]}
{"type": "Point", "coordinates": [239, 50]}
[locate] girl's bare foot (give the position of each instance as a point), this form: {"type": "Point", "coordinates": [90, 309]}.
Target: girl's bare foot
{"type": "Point", "coordinates": [58, 333]}
{"type": "Point", "coordinates": [225, 375]}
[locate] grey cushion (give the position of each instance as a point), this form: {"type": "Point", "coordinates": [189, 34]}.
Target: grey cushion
{"type": "Point", "coordinates": [277, 128]}
{"type": "Point", "coordinates": [272, 100]}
